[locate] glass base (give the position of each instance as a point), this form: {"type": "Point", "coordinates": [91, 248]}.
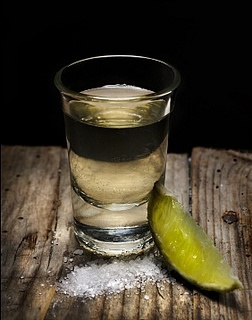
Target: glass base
{"type": "Point", "coordinates": [119, 241]}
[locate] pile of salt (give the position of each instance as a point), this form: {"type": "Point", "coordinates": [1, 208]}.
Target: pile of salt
{"type": "Point", "coordinates": [111, 277]}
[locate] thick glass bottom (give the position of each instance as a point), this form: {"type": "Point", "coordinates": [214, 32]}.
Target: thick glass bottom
{"type": "Point", "coordinates": [116, 241]}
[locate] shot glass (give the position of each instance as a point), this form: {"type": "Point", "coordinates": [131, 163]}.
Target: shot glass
{"type": "Point", "coordinates": [116, 111]}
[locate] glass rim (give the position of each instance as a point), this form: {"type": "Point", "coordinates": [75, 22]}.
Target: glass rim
{"type": "Point", "coordinates": [83, 96]}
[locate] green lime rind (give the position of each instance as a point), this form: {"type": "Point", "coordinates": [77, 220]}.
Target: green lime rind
{"type": "Point", "coordinates": [185, 246]}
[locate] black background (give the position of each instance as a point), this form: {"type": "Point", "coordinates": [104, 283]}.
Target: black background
{"type": "Point", "coordinates": [209, 44]}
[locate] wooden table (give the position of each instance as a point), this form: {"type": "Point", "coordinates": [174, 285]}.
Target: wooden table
{"type": "Point", "coordinates": [37, 238]}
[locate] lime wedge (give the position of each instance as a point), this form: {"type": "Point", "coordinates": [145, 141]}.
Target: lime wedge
{"type": "Point", "coordinates": [185, 246]}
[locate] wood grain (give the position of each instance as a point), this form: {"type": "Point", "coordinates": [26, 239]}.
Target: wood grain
{"type": "Point", "coordinates": [39, 247]}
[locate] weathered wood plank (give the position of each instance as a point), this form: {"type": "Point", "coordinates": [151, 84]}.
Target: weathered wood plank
{"type": "Point", "coordinates": [222, 206]}
{"type": "Point", "coordinates": [38, 245]}
{"type": "Point", "coordinates": [33, 190]}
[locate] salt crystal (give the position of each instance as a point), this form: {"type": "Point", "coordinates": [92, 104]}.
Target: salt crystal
{"type": "Point", "coordinates": [78, 252]}
{"type": "Point", "coordinates": [112, 276]}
